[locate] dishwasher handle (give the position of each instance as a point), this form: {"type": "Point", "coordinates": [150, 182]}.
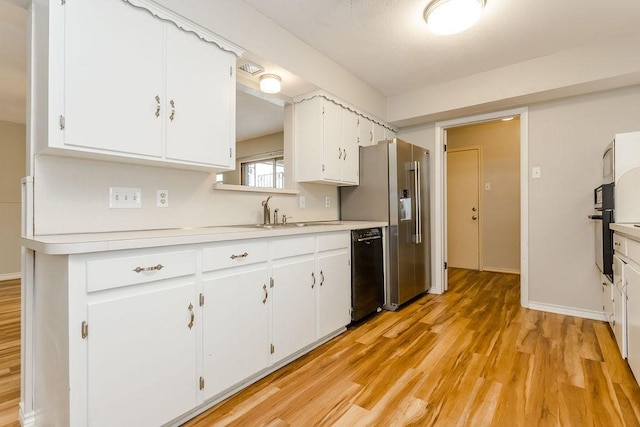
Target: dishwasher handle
{"type": "Point", "coordinates": [366, 239]}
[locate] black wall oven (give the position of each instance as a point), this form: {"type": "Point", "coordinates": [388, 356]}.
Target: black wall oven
{"type": "Point", "coordinates": [604, 207]}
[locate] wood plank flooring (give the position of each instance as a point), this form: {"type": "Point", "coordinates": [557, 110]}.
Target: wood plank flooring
{"type": "Point", "coordinates": [470, 357]}
{"type": "Point", "coordinates": [9, 352]}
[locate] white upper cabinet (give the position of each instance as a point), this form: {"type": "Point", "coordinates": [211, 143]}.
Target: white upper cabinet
{"type": "Point", "coordinates": [350, 166]}
{"type": "Point", "coordinates": [142, 90]}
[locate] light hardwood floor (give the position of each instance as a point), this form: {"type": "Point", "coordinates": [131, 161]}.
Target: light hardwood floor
{"type": "Point", "coordinates": [9, 352]}
{"type": "Point", "coordinates": [470, 357]}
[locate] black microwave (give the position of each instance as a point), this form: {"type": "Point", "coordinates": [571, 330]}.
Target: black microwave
{"type": "Point", "coordinates": [603, 197]}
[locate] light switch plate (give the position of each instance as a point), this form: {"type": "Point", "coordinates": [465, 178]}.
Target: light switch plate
{"type": "Point", "coordinates": [125, 198]}
{"type": "Point", "coordinates": [535, 172]}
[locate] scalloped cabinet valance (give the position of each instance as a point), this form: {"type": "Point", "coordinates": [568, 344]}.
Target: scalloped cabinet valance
{"type": "Point", "coordinates": [130, 81]}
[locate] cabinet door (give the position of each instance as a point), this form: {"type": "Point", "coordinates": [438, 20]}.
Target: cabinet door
{"type": "Point", "coordinates": [112, 74]}
{"type": "Point", "coordinates": [378, 133]}
{"type": "Point", "coordinates": [334, 295]}
{"type": "Point", "coordinates": [350, 153]}
{"type": "Point", "coordinates": [294, 307]}
{"type": "Point", "coordinates": [332, 136]}
{"type": "Point", "coordinates": [619, 305]}
{"type": "Point", "coordinates": [200, 102]}
{"type": "Point", "coordinates": [607, 298]}
{"type": "Point", "coordinates": [141, 355]}
{"type": "Point", "coordinates": [235, 328]}
{"type": "Point", "coordinates": [365, 132]}
{"type": "Point", "coordinates": [633, 319]}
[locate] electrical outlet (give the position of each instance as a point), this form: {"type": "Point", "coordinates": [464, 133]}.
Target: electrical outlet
{"type": "Point", "coordinates": [125, 198]}
{"type": "Point", "coordinates": [162, 198]}
{"type": "Point", "coordinates": [302, 202]}
{"type": "Point", "coordinates": [327, 202]}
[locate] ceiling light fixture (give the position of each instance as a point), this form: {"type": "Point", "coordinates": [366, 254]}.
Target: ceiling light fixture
{"type": "Point", "coordinates": [446, 17]}
{"type": "Point", "coordinates": [270, 83]}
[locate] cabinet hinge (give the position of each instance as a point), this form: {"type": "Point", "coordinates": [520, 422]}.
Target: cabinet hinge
{"type": "Point", "coordinates": [230, 71]}
{"type": "Point", "coordinates": [201, 300]}
{"type": "Point", "coordinates": [271, 282]}
{"type": "Point", "coordinates": [61, 120]}
{"type": "Point", "coordinates": [62, 2]}
{"type": "Point", "coordinates": [445, 148]}
{"type": "Point", "coordinates": [84, 330]}
{"type": "Point", "coordinates": [273, 349]}
{"type": "Point", "coordinates": [201, 383]}
{"type": "Point", "coordinates": [445, 265]}
{"type": "Point", "coordinates": [323, 167]}
{"type": "Point", "coordinates": [230, 152]}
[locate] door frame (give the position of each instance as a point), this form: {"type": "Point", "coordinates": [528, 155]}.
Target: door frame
{"type": "Point", "coordinates": [446, 230]}
{"type": "Point", "coordinates": [439, 224]}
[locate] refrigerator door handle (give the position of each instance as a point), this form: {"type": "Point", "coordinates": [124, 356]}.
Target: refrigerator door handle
{"type": "Point", "coordinates": [418, 202]}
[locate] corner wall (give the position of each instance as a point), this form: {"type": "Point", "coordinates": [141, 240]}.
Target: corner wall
{"type": "Point", "coordinates": [12, 169]}
{"type": "Point", "coordinates": [566, 139]}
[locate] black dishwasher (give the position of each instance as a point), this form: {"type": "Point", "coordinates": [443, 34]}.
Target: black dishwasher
{"type": "Point", "coordinates": [367, 272]}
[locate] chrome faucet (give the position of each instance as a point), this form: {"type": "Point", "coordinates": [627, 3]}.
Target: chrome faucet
{"type": "Point", "coordinates": [266, 212]}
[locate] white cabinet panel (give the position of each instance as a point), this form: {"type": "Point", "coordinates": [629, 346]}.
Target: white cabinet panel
{"type": "Point", "coordinates": [620, 304]}
{"type": "Point", "coordinates": [235, 328]}
{"type": "Point", "coordinates": [334, 294]}
{"type": "Point", "coordinates": [332, 138]}
{"type": "Point", "coordinates": [294, 306]}
{"type": "Point", "coordinates": [112, 75]}
{"type": "Point", "coordinates": [141, 357]}
{"type": "Point", "coordinates": [200, 100]}
{"type": "Point", "coordinates": [607, 298]}
{"type": "Point", "coordinates": [365, 132]}
{"type": "Point", "coordinates": [350, 149]}
{"type": "Point", "coordinates": [633, 319]}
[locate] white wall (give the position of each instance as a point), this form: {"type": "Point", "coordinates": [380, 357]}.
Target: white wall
{"type": "Point", "coordinates": [12, 169]}
{"type": "Point", "coordinates": [566, 139]}
{"type": "Point", "coordinates": [500, 214]}
{"type": "Point", "coordinates": [72, 197]}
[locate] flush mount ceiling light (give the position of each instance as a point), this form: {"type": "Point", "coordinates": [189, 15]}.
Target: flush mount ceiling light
{"type": "Point", "coordinates": [270, 83]}
{"type": "Point", "coordinates": [446, 17]}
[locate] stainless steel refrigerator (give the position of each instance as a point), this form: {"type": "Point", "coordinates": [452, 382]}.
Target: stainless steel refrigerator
{"type": "Point", "coordinates": [394, 187]}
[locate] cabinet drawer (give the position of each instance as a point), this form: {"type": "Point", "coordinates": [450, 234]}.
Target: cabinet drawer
{"type": "Point", "coordinates": [328, 242]}
{"type": "Point", "coordinates": [633, 250]}
{"type": "Point", "coordinates": [132, 270]}
{"type": "Point", "coordinates": [620, 244]}
{"type": "Point", "coordinates": [288, 247]}
{"type": "Point", "coordinates": [234, 254]}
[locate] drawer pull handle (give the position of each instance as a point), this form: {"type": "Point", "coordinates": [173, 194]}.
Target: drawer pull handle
{"type": "Point", "coordinates": [193, 316]}
{"type": "Point", "coordinates": [321, 278]}
{"type": "Point", "coordinates": [152, 268]}
{"type": "Point", "coordinates": [266, 294]}
{"type": "Point", "coordinates": [157, 106]}
{"type": "Point", "coordinates": [313, 276]}
{"type": "Point", "coordinates": [242, 255]}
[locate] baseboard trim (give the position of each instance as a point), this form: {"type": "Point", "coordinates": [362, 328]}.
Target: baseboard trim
{"type": "Point", "coordinates": [26, 420]}
{"type": "Point", "coordinates": [9, 276]}
{"type": "Point", "coordinates": [501, 270]}
{"type": "Point", "coordinates": [568, 311]}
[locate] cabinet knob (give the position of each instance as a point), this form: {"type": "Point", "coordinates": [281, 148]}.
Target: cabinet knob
{"type": "Point", "coordinates": [474, 217]}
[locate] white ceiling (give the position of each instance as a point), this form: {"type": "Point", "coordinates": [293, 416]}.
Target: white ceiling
{"type": "Point", "coordinates": [386, 43]}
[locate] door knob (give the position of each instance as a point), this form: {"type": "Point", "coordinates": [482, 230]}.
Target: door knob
{"type": "Point", "coordinates": [474, 217]}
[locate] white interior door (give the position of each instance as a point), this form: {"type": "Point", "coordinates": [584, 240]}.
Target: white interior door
{"type": "Point", "coordinates": [463, 209]}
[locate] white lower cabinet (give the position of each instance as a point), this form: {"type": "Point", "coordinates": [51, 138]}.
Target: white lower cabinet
{"type": "Point", "coordinates": [607, 298]}
{"type": "Point", "coordinates": [620, 304]}
{"type": "Point", "coordinates": [239, 301]}
{"type": "Point", "coordinates": [143, 337]}
{"type": "Point", "coordinates": [294, 308]}
{"type": "Point", "coordinates": [141, 355]}
{"type": "Point", "coordinates": [633, 318]}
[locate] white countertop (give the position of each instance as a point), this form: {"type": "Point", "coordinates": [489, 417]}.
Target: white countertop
{"type": "Point", "coordinates": [628, 229]}
{"type": "Point", "coordinates": [66, 244]}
